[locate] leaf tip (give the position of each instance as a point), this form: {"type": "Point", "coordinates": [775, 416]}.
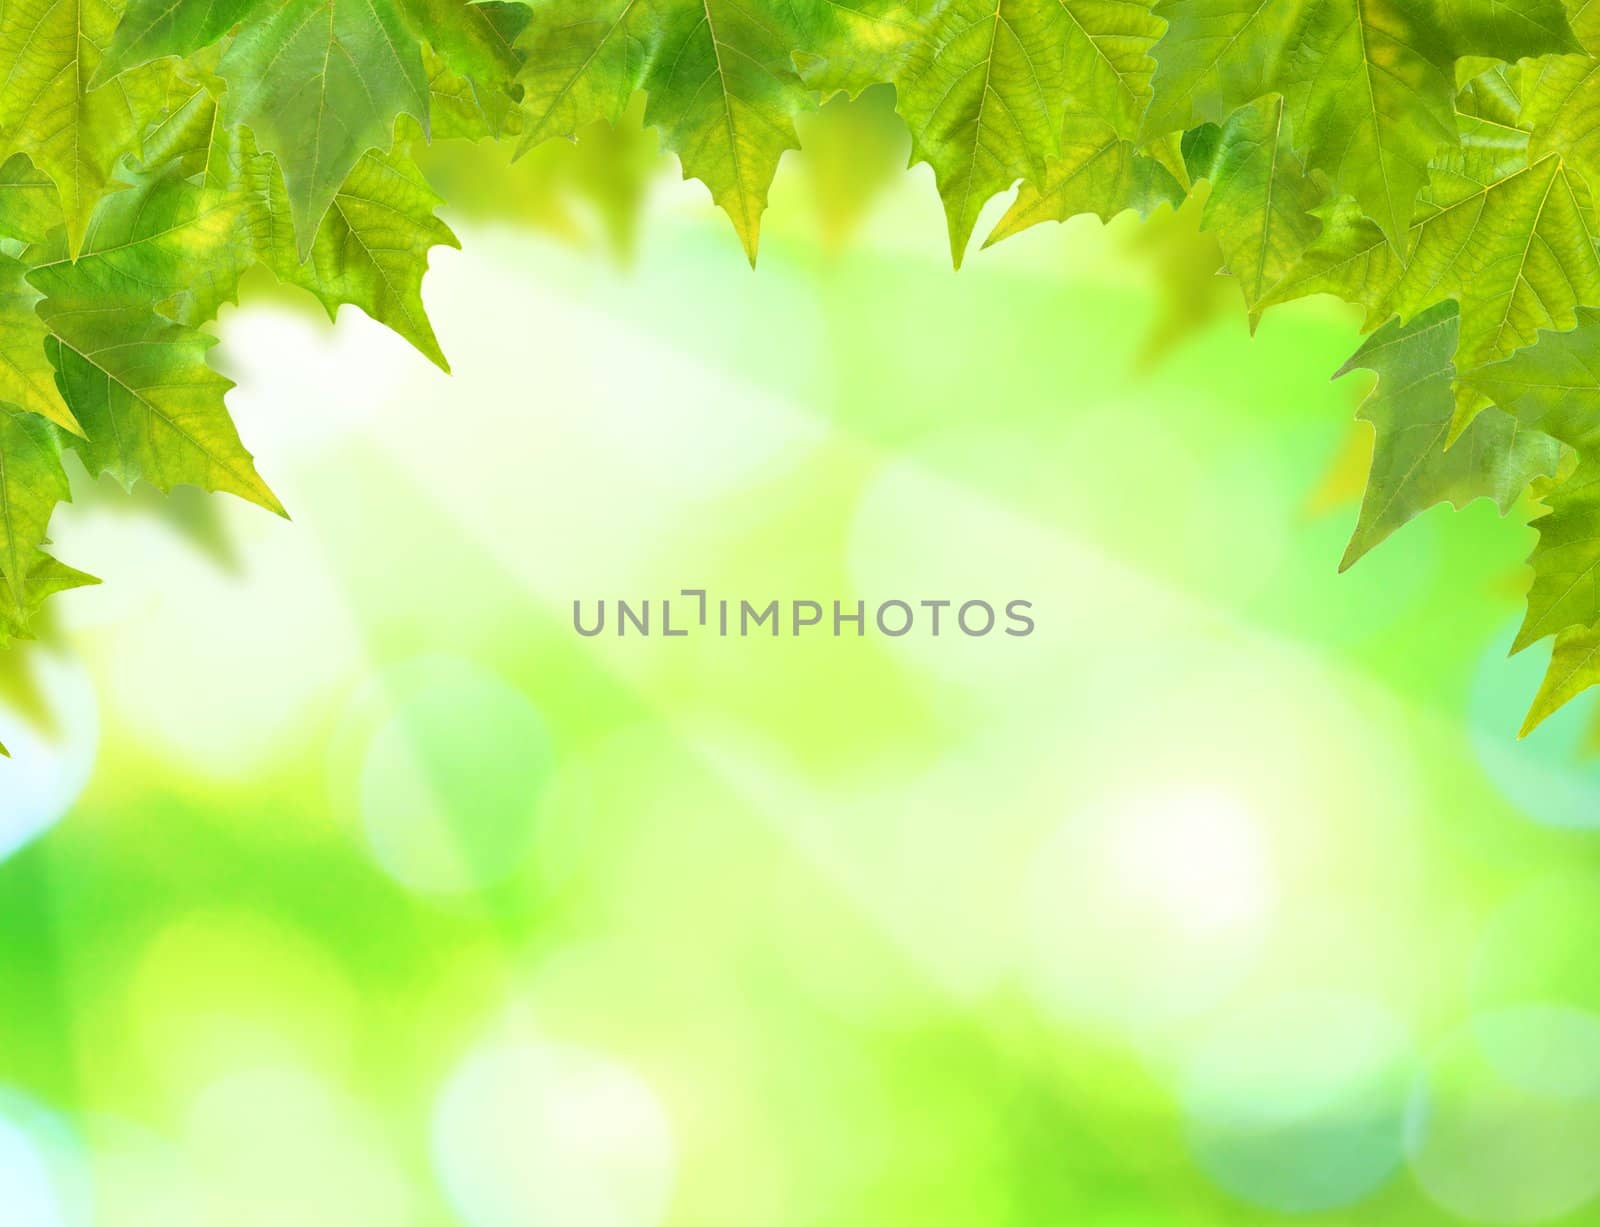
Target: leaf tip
{"type": "Point", "coordinates": [1358, 549]}
{"type": "Point", "coordinates": [1526, 638]}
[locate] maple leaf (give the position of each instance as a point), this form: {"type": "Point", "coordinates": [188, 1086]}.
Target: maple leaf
{"type": "Point", "coordinates": [170, 245]}
{"type": "Point", "coordinates": [71, 130]}
{"type": "Point", "coordinates": [32, 482]}
{"type": "Point", "coordinates": [985, 88]}
{"type": "Point", "coordinates": [1370, 83]}
{"type": "Point", "coordinates": [1511, 242]}
{"type": "Point", "coordinates": [372, 250]}
{"type": "Point", "coordinates": [46, 577]}
{"type": "Point", "coordinates": [857, 44]}
{"type": "Point", "coordinates": [720, 77]}
{"type": "Point", "coordinates": [1566, 561]}
{"type": "Point", "coordinates": [1504, 30]}
{"type": "Point", "coordinates": [582, 61]}
{"type": "Point", "coordinates": [321, 82]}
{"type": "Point", "coordinates": [29, 206]}
{"type": "Point", "coordinates": [723, 92]}
{"type": "Point", "coordinates": [1411, 411]}
{"type": "Point", "coordinates": [479, 41]}
{"type": "Point", "coordinates": [1262, 205]}
{"type": "Point", "coordinates": [151, 406]}
{"type": "Point", "coordinates": [27, 380]}
{"type": "Point", "coordinates": [1561, 95]}
{"type": "Point", "coordinates": [223, 206]}
{"type": "Point", "coordinates": [152, 29]}
{"type": "Point", "coordinates": [1215, 56]}
{"type": "Point", "coordinates": [1574, 668]}
{"type": "Point", "coordinates": [1096, 172]}
{"type": "Point", "coordinates": [1373, 95]}
{"type": "Point", "coordinates": [472, 63]}
{"type": "Point", "coordinates": [136, 379]}
{"type": "Point", "coordinates": [152, 153]}
{"type": "Point", "coordinates": [1554, 387]}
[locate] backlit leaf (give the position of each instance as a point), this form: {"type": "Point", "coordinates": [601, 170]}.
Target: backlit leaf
{"type": "Point", "coordinates": [1411, 411]}
{"type": "Point", "coordinates": [321, 82]}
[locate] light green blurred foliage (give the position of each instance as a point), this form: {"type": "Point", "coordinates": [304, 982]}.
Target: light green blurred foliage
{"type": "Point", "coordinates": [853, 151]}
{"type": "Point", "coordinates": [465, 920]}
{"type": "Point", "coordinates": [591, 190]}
{"type": "Point", "coordinates": [1186, 264]}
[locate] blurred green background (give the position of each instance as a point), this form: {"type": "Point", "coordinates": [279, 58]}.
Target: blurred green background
{"type": "Point", "coordinates": [343, 884]}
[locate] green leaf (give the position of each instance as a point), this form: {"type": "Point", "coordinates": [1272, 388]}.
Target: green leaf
{"type": "Point", "coordinates": [1261, 209]}
{"type": "Point", "coordinates": [151, 29]}
{"type": "Point", "coordinates": [152, 408]}
{"type": "Point", "coordinates": [1562, 96]}
{"type": "Point", "coordinates": [985, 93]}
{"type": "Point", "coordinates": [1510, 242]}
{"type": "Point", "coordinates": [74, 134]}
{"type": "Point", "coordinates": [723, 91]}
{"type": "Point", "coordinates": [1566, 561]}
{"type": "Point", "coordinates": [857, 44]}
{"type": "Point", "coordinates": [478, 41]}
{"type": "Point", "coordinates": [1097, 169]}
{"type": "Point", "coordinates": [1108, 64]}
{"type": "Point", "coordinates": [583, 60]}
{"type": "Point", "coordinates": [1574, 668]}
{"type": "Point", "coordinates": [46, 577]}
{"type": "Point", "coordinates": [1097, 172]}
{"type": "Point", "coordinates": [29, 205]}
{"type": "Point", "coordinates": [167, 244]}
{"type": "Point", "coordinates": [1350, 259]}
{"type": "Point", "coordinates": [1515, 249]}
{"type": "Point", "coordinates": [32, 482]}
{"type": "Point", "coordinates": [472, 64]}
{"type": "Point", "coordinates": [372, 251]}
{"type": "Point", "coordinates": [720, 75]}
{"type": "Point", "coordinates": [1372, 95]}
{"type": "Point", "coordinates": [1370, 83]}
{"type": "Point", "coordinates": [1552, 386]}
{"type": "Point", "coordinates": [1509, 31]}
{"type": "Point", "coordinates": [321, 82]}
{"type": "Point", "coordinates": [1411, 410]}
{"type": "Point", "coordinates": [27, 380]}
{"type": "Point", "coordinates": [1048, 91]}
{"type": "Point", "coordinates": [136, 379]}
{"type": "Point", "coordinates": [1216, 56]}
{"type": "Point", "coordinates": [1493, 95]}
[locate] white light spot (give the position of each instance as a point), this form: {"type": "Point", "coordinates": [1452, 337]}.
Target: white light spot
{"type": "Point", "coordinates": [1196, 859]}
{"type": "Point", "coordinates": [554, 1135]}
{"type": "Point", "coordinates": [1141, 912]}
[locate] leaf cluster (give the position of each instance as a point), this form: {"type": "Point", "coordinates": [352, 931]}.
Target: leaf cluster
{"type": "Point", "coordinates": [1431, 161]}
